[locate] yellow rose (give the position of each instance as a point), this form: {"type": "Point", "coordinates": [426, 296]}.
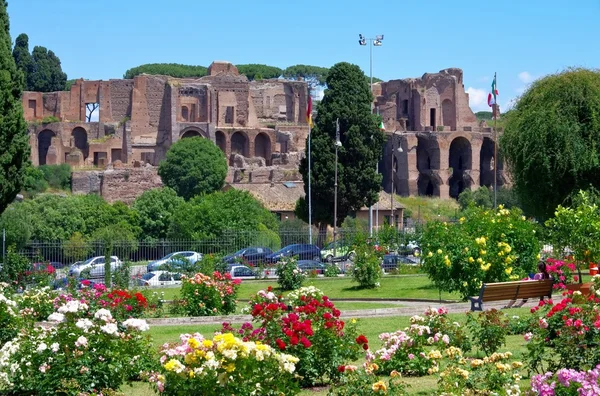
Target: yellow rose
{"type": "Point", "coordinates": [429, 254]}
{"type": "Point", "coordinates": [439, 251]}
{"type": "Point", "coordinates": [508, 270]}
{"type": "Point", "coordinates": [471, 259]}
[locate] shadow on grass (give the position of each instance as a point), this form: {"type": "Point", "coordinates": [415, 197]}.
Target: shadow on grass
{"type": "Point", "coordinates": [357, 288]}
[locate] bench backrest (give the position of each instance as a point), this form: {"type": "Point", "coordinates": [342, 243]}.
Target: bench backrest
{"type": "Point", "coordinates": [516, 290]}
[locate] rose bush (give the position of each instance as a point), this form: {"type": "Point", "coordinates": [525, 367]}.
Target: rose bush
{"type": "Point", "coordinates": [307, 326]}
{"type": "Point", "coordinates": [289, 276]}
{"type": "Point", "coordinates": [10, 320]}
{"type": "Point", "coordinates": [364, 381]}
{"type": "Point", "coordinates": [366, 270]}
{"type": "Point", "coordinates": [567, 382]}
{"type": "Point", "coordinates": [36, 303]}
{"type": "Point", "coordinates": [78, 352]}
{"type": "Point", "coordinates": [224, 365]}
{"type": "Point", "coordinates": [202, 295]}
{"type": "Point", "coordinates": [484, 246]}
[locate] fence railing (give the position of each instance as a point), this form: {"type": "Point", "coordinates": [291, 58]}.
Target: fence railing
{"type": "Point", "coordinates": [68, 252]}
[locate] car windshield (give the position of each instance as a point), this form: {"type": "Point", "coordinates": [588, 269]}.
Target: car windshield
{"type": "Point", "coordinates": [239, 252]}
{"type": "Point", "coordinates": [285, 249]}
{"type": "Point", "coordinates": [148, 276]}
{"type": "Point", "coordinates": [88, 261]}
{"type": "Point", "coordinates": [168, 255]}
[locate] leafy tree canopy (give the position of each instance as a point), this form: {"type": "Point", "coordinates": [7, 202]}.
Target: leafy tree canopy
{"type": "Point", "coordinates": [156, 208]}
{"type": "Point", "coordinates": [14, 139]}
{"type": "Point", "coordinates": [314, 75]}
{"type": "Point", "coordinates": [168, 69]}
{"type": "Point", "coordinates": [258, 72]}
{"type": "Point", "coordinates": [484, 115]}
{"type": "Point", "coordinates": [347, 97]}
{"type": "Point", "coordinates": [551, 140]}
{"type": "Point", "coordinates": [193, 166]}
{"type": "Point", "coordinates": [42, 68]}
{"type": "Point", "coordinates": [211, 216]}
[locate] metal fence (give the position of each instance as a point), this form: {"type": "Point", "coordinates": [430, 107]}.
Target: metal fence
{"type": "Point", "coordinates": [68, 252]}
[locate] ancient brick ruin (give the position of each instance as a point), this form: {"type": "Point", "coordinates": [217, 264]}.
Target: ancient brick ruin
{"type": "Point", "coordinates": [259, 125]}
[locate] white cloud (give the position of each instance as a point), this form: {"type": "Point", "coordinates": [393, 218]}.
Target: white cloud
{"type": "Point", "coordinates": [478, 99]}
{"type": "Point", "coordinates": [318, 95]}
{"type": "Point", "coordinates": [526, 77]}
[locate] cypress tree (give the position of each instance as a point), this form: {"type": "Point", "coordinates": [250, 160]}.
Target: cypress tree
{"type": "Point", "coordinates": [23, 58]}
{"type": "Point", "coordinates": [14, 140]}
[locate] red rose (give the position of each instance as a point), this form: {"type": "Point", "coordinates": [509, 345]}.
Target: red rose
{"type": "Point", "coordinates": [341, 368]}
{"type": "Point", "coordinates": [365, 346]}
{"type": "Point", "coordinates": [280, 344]}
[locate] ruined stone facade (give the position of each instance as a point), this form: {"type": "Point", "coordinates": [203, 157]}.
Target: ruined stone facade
{"type": "Point", "coordinates": [261, 128]}
{"type": "Point", "coordinates": [444, 149]}
{"type": "Point", "coordinates": [255, 123]}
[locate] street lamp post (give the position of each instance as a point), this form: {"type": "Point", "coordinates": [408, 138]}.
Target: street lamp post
{"type": "Point", "coordinates": [338, 143]}
{"type": "Point", "coordinates": [392, 173]}
{"type": "Point", "coordinates": [377, 42]}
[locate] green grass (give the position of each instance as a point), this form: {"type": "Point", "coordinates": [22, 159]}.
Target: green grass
{"type": "Point", "coordinates": [427, 209]}
{"type": "Point", "coordinates": [409, 287]}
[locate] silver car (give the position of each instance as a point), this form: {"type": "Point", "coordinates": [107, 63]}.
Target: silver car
{"type": "Point", "coordinates": [95, 265]}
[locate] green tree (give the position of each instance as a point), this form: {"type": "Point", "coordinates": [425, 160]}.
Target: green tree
{"type": "Point", "coordinates": [257, 72]}
{"type": "Point", "coordinates": [34, 182]}
{"type": "Point", "coordinates": [551, 140]}
{"type": "Point", "coordinates": [193, 166]}
{"type": "Point", "coordinates": [57, 176]}
{"type": "Point", "coordinates": [116, 238]}
{"type": "Point", "coordinates": [348, 98]}
{"type": "Point", "coordinates": [156, 208]}
{"type": "Point", "coordinates": [14, 139]}
{"type": "Point", "coordinates": [230, 214]}
{"type": "Point", "coordinates": [22, 57]}
{"type": "Point", "coordinates": [167, 69]}
{"type": "Point", "coordinates": [481, 197]}
{"type": "Point", "coordinates": [313, 75]}
{"type": "Point", "coordinates": [47, 74]}
{"type": "Point", "coordinates": [76, 248]}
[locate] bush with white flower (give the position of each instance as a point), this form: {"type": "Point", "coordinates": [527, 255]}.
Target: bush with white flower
{"type": "Point", "coordinates": [36, 303]}
{"type": "Point", "coordinates": [10, 321]}
{"type": "Point", "coordinates": [225, 365]}
{"type": "Point", "coordinates": [289, 276]}
{"type": "Point", "coordinates": [75, 352]}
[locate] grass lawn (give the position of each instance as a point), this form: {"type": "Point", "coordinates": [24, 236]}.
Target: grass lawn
{"type": "Point", "coordinates": [369, 327]}
{"type": "Point", "coordinates": [397, 286]}
{"type": "Point", "coordinates": [426, 209]}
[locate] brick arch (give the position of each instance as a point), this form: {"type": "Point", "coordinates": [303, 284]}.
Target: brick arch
{"type": "Point", "coordinates": [79, 140]}
{"type": "Point", "coordinates": [192, 132]}
{"type": "Point", "coordinates": [460, 159]}
{"type": "Point", "coordinates": [488, 163]}
{"type": "Point", "coordinates": [262, 147]}
{"type": "Point", "coordinates": [240, 143]}
{"type": "Point", "coordinates": [44, 142]}
{"type": "Point", "coordinates": [221, 140]}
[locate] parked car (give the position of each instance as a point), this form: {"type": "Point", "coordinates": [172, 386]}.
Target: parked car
{"type": "Point", "coordinates": [95, 265]}
{"type": "Point", "coordinates": [342, 252]}
{"type": "Point", "coordinates": [300, 251]}
{"type": "Point", "coordinates": [311, 265]}
{"type": "Point", "coordinates": [391, 261]}
{"type": "Point", "coordinates": [241, 271]}
{"type": "Point", "coordinates": [160, 278]}
{"type": "Point", "coordinates": [249, 255]}
{"type": "Point", "coordinates": [174, 260]}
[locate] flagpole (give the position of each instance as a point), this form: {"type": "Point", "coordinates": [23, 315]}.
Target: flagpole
{"type": "Point", "coordinates": [495, 144]}
{"type": "Point", "coordinates": [309, 174]}
{"type": "Point", "coordinates": [337, 144]}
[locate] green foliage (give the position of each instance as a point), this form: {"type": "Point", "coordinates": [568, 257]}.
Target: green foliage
{"type": "Point", "coordinates": [14, 139]}
{"type": "Point", "coordinates": [313, 75]}
{"type": "Point", "coordinates": [14, 268]}
{"type": "Point", "coordinates": [331, 271]}
{"type": "Point", "coordinates": [484, 246]}
{"type": "Point", "coordinates": [193, 166]}
{"type": "Point", "coordinates": [10, 320]}
{"type": "Point", "coordinates": [489, 329]}
{"type": "Point", "coordinates": [46, 74]}
{"type": "Point", "coordinates": [257, 72]}
{"type": "Point", "coordinates": [211, 216]}
{"type": "Point", "coordinates": [121, 276]}
{"type": "Point", "coordinates": [34, 182]}
{"type": "Point", "coordinates": [362, 382]}
{"type": "Point", "coordinates": [76, 248]}
{"type": "Point", "coordinates": [367, 267]}
{"type": "Point", "coordinates": [289, 276]}
{"type": "Point", "coordinates": [69, 84]}
{"type": "Point", "coordinates": [120, 237]}
{"type": "Point", "coordinates": [167, 69]}
{"type": "Point", "coordinates": [426, 209]}
{"type": "Point", "coordinates": [156, 208]}
{"type": "Point", "coordinates": [22, 57]}
{"type": "Point", "coordinates": [484, 115]}
{"type": "Point", "coordinates": [202, 295]}
{"type": "Point", "coordinates": [551, 139]}
{"type": "Point", "coordinates": [294, 231]}
{"type": "Point", "coordinates": [348, 97]}
{"type": "Point", "coordinates": [480, 197]}
{"type": "Point", "coordinates": [50, 120]}
{"type": "Point", "coordinates": [57, 176]}
{"type": "Point", "coordinates": [577, 228]}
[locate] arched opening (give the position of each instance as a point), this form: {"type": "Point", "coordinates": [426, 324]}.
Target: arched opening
{"type": "Point", "coordinates": [80, 141]}
{"type": "Point", "coordinates": [448, 118]}
{"type": "Point", "coordinates": [221, 141]}
{"type": "Point", "coordinates": [460, 161]}
{"type": "Point", "coordinates": [428, 185]}
{"type": "Point", "coordinates": [262, 147]}
{"type": "Point", "coordinates": [428, 154]}
{"type": "Point", "coordinates": [44, 143]}
{"type": "Point", "coordinates": [486, 163]}
{"type": "Point", "coordinates": [184, 113]}
{"type": "Point", "coordinates": [190, 133]}
{"type": "Point", "coordinates": [239, 144]}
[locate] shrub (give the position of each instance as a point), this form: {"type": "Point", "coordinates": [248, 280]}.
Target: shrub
{"type": "Point", "coordinates": [489, 329]}
{"type": "Point", "coordinates": [367, 269]}
{"type": "Point", "coordinates": [36, 303]}
{"type": "Point", "coordinates": [289, 276]}
{"type": "Point", "coordinates": [491, 375]}
{"type": "Point", "coordinates": [365, 382]}
{"type": "Point", "coordinates": [567, 382]}
{"type": "Point", "coordinates": [224, 365]}
{"type": "Point", "coordinates": [308, 327]}
{"type": "Point", "coordinates": [484, 246]}
{"type": "Point", "coordinates": [85, 351]}
{"type": "Point", "coordinates": [10, 322]}
{"type": "Point", "coordinates": [57, 176]}
{"type": "Point", "coordinates": [331, 271]}
{"type": "Point", "coordinates": [205, 296]}
{"type": "Point", "coordinates": [15, 269]}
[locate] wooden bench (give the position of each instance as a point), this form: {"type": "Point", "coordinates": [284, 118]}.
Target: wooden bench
{"type": "Point", "coordinates": [516, 290]}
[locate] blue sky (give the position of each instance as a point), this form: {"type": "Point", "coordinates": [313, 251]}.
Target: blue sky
{"type": "Point", "coordinates": [519, 39]}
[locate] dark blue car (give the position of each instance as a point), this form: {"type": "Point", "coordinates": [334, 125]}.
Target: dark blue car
{"type": "Point", "coordinates": [299, 251]}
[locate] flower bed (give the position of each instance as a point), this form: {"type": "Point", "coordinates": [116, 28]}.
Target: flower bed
{"type": "Point", "coordinates": [225, 365]}
{"type": "Point", "coordinates": [202, 295]}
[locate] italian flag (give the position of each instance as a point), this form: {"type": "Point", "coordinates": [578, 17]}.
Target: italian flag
{"type": "Point", "coordinates": [492, 95]}
{"type": "Point", "coordinates": [381, 126]}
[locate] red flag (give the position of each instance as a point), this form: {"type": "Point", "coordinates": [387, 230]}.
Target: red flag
{"type": "Point", "coordinates": [309, 112]}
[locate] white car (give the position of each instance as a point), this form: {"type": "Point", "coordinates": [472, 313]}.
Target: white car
{"type": "Point", "coordinates": [95, 265]}
{"type": "Point", "coordinates": [240, 271]}
{"type": "Point", "coordinates": [172, 259]}
{"type": "Point", "coordinates": [160, 278]}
